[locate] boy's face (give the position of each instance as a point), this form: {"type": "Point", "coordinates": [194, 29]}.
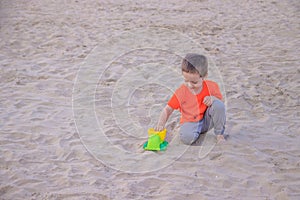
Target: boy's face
{"type": "Point", "coordinates": [193, 81]}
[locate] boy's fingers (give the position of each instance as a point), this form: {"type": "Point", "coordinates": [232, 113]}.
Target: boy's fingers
{"type": "Point", "coordinates": [206, 101]}
{"type": "Point", "coordinates": [158, 128]}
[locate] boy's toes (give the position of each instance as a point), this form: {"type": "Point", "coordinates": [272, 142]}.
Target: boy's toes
{"type": "Point", "coordinates": [220, 139]}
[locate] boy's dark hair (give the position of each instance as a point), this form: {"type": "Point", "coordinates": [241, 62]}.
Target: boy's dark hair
{"type": "Point", "coordinates": [195, 63]}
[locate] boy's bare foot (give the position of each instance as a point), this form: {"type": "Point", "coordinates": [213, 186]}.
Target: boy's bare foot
{"type": "Point", "coordinates": [220, 139]}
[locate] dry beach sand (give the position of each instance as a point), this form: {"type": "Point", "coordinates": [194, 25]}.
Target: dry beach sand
{"type": "Point", "coordinates": [78, 92]}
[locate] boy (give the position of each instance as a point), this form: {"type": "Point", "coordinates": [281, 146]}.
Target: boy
{"type": "Point", "coordinates": [198, 100]}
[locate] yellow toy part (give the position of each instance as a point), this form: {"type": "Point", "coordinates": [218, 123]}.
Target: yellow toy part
{"type": "Point", "coordinates": [162, 134]}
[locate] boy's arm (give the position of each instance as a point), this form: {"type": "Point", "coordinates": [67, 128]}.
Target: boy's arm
{"type": "Point", "coordinates": [164, 116]}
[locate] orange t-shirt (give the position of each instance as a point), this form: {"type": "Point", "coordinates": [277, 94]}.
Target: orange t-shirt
{"type": "Point", "coordinates": [191, 106]}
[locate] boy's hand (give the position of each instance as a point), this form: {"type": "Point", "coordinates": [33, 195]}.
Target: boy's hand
{"type": "Point", "coordinates": [208, 100]}
{"type": "Point", "coordinates": [159, 128]}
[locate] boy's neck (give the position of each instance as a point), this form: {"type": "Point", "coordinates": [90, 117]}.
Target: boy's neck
{"type": "Point", "coordinates": [197, 91]}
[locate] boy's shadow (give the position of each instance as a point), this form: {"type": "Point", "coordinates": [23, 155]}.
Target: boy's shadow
{"type": "Point", "coordinates": [201, 139]}
{"type": "Point", "coordinates": [207, 138]}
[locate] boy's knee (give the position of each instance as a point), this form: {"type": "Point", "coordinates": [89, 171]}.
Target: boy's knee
{"type": "Point", "coordinates": [188, 138]}
{"type": "Point", "coordinates": [218, 106]}
{"type": "Point", "coordinates": [189, 132]}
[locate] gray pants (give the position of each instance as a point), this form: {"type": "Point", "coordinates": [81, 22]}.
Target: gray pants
{"type": "Point", "coordinates": [214, 117]}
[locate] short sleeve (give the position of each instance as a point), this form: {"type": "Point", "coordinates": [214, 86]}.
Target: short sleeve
{"type": "Point", "coordinates": [174, 102]}
{"type": "Point", "coordinates": [214, 89]}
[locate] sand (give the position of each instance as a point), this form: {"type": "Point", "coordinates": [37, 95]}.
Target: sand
{"type": "Point", "coordinates": [81, 81]}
